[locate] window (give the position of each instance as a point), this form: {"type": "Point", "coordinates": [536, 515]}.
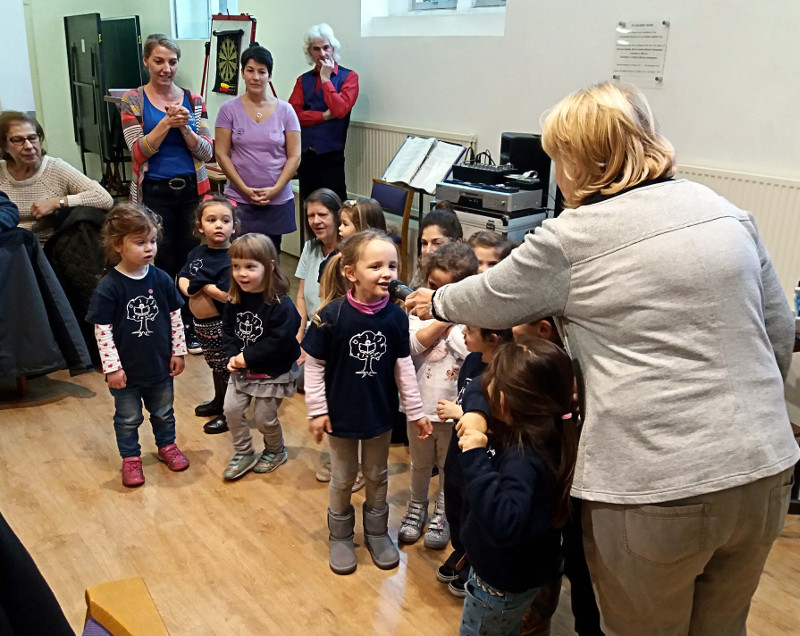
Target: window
{"type": "Point", "coordinates": [421, 5]}
{"type": "Point", "coordinates": [191, 19]}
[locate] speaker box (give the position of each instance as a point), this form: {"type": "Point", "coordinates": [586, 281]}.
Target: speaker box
{"type": "Point", "coordinates": [524, 150]}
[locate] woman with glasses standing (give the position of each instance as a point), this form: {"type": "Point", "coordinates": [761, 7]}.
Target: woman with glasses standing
{"type": "Point", "coordinates": [166, 129]}
{"type": "Point", "coordinates": [258, 147]}
{"type": "Point", "coordinates": [40, 185]}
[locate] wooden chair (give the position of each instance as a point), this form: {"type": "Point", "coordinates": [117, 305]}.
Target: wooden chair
{"type": "Point", "coordinates": [396, 199]}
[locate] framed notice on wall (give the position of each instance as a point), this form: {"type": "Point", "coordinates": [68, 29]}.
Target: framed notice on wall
{"type": "Point", "coordinates": [640, 49]}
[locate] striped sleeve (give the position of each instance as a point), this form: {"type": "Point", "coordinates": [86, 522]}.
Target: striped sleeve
{"type": "Point", "coordinates": [204, 150]}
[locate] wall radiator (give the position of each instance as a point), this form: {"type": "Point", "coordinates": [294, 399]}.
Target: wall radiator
{"type": "Point", "coordinates": [371, 146]}
{"type": "Point", "coordinates": [775, 204]}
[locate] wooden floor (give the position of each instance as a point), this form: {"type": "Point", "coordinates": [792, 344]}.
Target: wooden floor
{"type": "Point", "coordinates": [241, 558]}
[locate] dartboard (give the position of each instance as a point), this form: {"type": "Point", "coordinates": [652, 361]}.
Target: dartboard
{"type": "Point", "coordinates": [228, 61]}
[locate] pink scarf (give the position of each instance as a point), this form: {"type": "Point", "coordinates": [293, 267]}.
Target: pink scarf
{"type": "Point", "coordinates": [367, 308]}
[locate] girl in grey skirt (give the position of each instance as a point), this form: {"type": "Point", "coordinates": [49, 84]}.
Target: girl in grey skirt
{"type": "Point", "coordinates": [259, 324]}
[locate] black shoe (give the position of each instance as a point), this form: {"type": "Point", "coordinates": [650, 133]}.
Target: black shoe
{"type": "Point", "coordinates": [445, 573]}
{"type": "Point", "coordinates": [456, 588]}
{"type": "Point", "coordinates": [208, 409]}
{"type": "Point", "coordinates": [217, 425]}
{"type": "Point", "coordinates": [192, 346]}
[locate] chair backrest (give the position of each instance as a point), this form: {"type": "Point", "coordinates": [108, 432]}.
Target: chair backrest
{"type": "Point", "coordinates": [396, 199]}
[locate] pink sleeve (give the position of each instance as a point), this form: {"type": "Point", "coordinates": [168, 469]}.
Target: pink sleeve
{"type": "Point", "coordinates": [406, 379]}
{"type": "Point", "coordinates": [109, 356]}
{"type": "Point", "coordinates": [178, 336]}
{"type": "Point", "coordinates": [316, 400]}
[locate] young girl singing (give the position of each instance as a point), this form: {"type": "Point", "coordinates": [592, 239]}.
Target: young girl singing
{"type": "Point", "coordinates": [259, 324]}
{"type": "Point", "coordinates": [137, 318]}
{"type": "Point", "coordinates": [437, 349]}
{"type": "Point", "coordinates": [358, 359]}
{"type": "Point", "coordinates": [205, 279]}
{"type": "Point", "coordinates": [517, 478]}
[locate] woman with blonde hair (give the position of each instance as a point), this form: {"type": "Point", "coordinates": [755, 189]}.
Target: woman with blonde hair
{"type": "Point", "coordinates": [682, 337]}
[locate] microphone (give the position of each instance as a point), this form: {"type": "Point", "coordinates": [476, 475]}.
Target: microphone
{"type": "Point", "coordinates": [398, 290]}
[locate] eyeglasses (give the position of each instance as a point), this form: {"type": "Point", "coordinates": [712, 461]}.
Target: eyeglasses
{"type": "Point", "coordinates": [20, 141]}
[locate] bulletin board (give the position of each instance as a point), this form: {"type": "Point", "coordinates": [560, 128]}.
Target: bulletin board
{"type": "Point", "coordinates": [220, 23]}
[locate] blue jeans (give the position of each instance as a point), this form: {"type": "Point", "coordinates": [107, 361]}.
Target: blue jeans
{"type": "Point", "coordinates": [128, 417]}
{"type": "Point", "coordinates": [490, 615]}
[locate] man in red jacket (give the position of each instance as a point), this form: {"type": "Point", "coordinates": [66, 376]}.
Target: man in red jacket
{"type": "Point", "coordinates": [323, 98]}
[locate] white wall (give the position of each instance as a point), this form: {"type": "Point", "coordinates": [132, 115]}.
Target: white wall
{"type": "Point", "coordinates": [729, 99]}
{"type": "Point", "coordinates": [16, 86]}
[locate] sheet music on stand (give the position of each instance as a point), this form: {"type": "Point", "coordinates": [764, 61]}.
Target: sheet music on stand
{"type": "Point", "coordinates": [422, 162]}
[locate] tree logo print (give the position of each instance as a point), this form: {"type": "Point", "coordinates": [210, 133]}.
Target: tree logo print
{"type": "Point", "coordinates": [248, 327]}
{"type": "Point", "coordinates": [195, 266]}
{"type": "Point", "coordinates": [142, 309]}
{"type": "Point", "coordinates": [367, 346]}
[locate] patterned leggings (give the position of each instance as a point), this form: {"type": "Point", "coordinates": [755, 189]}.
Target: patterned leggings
{"type": "Point", "coordinates": [209, 334]}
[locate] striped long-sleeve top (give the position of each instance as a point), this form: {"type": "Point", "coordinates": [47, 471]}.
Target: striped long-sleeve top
{"type": "Point", "coordinates": [132, 108]}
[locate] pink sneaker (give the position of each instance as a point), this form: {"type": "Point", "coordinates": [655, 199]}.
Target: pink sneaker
{"type": "Point", "coordinates": [172, 456]}
{"type": "Point", "coordinates": [132, 474]}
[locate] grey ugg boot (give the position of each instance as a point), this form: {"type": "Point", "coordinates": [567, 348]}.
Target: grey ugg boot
{"type": "Point", "coordinates": [343, 553]}
{"type": "Point", "coordinates": [376, 536]}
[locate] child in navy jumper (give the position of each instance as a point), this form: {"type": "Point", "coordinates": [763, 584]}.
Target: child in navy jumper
{"type": "Point", "coordinates": [205, 278]}
{"type": "Point", "coordinates": [469, 403]}
{"type": "Point", "coordinates": [259, 324]}
{"type": "Point", "coordinates": [358, 359]}
{"type": "Point", "coordinates": [517, 476]}
{"type": "Point", "coordinates": [139, 332]}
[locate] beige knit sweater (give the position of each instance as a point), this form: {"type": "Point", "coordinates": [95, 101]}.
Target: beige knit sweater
{"type": "Point", "coordinates": [55, 178]}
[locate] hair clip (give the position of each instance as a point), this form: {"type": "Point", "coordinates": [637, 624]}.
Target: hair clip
{"type": "Point", "coordinates": [566, 416]}
{"type": "Point", "coordinates": [210, 197]}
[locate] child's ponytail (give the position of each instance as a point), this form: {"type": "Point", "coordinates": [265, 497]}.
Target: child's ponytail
{"type": "Point", "coordinates": [332, 285]}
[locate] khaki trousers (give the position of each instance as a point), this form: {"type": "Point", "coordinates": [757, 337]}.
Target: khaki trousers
{"type": "Point", "coordinates": [682, 567]}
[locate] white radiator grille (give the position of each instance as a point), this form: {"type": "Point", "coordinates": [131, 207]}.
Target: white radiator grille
{"type": "Point", "coordinates": [371, 146]}
{"type": "Point", "coordinates": [775, 204]}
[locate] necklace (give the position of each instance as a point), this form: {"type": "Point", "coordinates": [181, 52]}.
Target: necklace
{"type": "Point", "coordinates": [259, 115]}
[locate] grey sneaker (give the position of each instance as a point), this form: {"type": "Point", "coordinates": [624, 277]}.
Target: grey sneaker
{"type": "Point", "coordinates": [239, 465]}
{"type": "Point", "coordinates": [270, 461]}
{"type": "Point", "coordinates": [413, 522]}
{"type": "Point", "coordinates": [359, 483]}
{"type": "Point", "coordinates": [438, 534]}
{"type": "Point", "coordinates": [323, 474]}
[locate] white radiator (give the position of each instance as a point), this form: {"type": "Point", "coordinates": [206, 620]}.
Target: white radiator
{"type": "Point", "coordinates": [371, 146]}
{"type": "Point", "coordinates": [775, 204]}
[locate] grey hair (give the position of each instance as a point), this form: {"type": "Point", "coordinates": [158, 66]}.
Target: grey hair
{"type": "Point", "coordinates": [159, 39]}
{"type": "Point", "coordinates": [322, 30]}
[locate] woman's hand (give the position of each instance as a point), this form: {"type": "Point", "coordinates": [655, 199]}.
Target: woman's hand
{"type": "Point", "coordinates": [470, 438]}
{"type": "Point", "coordinates": [319, 425]}
{"type": "Point", "coordinates": [418, 303]}
{"type": "Point", "coordinates": [43, 207]}
{"type": "Point", "coordinates": [117, 379]}
{"type": "Point", "coordinates": [176, 116]}
{"type": "Point", "coordinates": [447, 410]}
{"type": "Point", "coordinates": [262, 196]}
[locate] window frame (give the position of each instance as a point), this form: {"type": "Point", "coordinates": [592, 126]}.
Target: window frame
{"type": "Point", "coordinates": [432, 5]}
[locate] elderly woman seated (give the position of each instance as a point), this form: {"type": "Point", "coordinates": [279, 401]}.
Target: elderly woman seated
{"type": "Point", "coordinates": [38, 184]}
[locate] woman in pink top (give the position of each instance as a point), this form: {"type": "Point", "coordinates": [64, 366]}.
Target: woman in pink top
{"type": "Point", "coordinates": [258, 148]}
